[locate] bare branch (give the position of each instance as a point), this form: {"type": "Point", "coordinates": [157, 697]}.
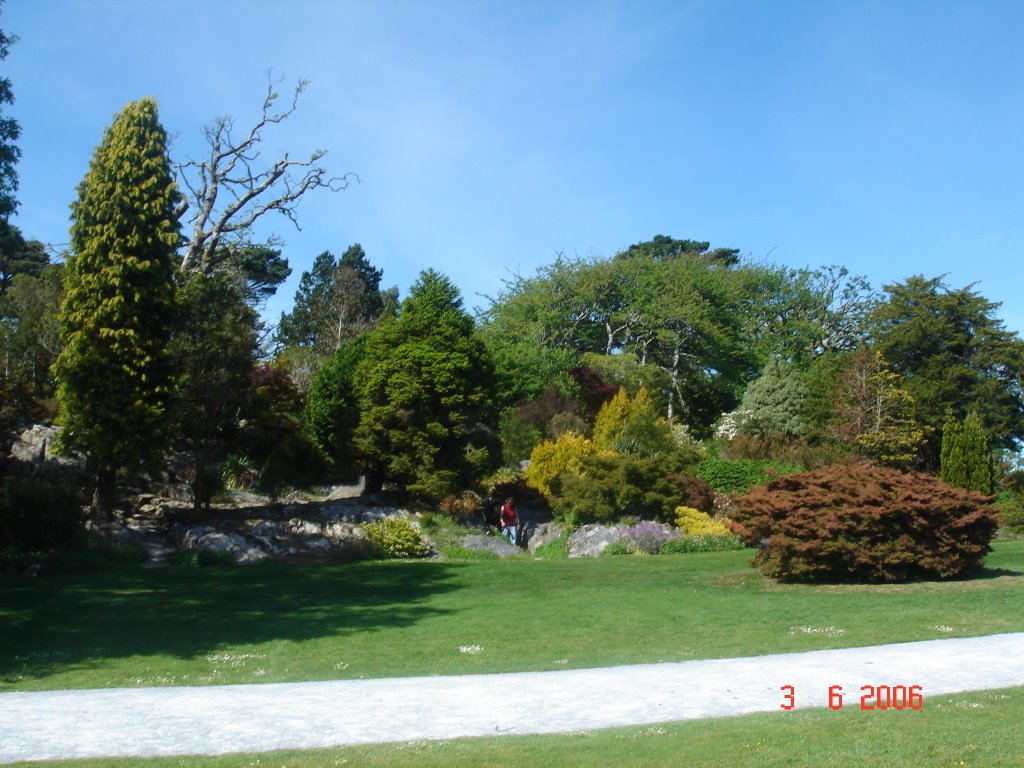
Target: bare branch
{"type": "Point", "coordinates": [229, 190]}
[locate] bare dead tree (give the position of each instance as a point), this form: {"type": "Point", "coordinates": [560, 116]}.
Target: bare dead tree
{"type": "Point", "coordinates": [229, 190]}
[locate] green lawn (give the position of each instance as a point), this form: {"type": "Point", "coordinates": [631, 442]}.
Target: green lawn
{"type": "Point", "coordinates": [258, 624]}
{"type": "Point", "coordinates": [133, 626]}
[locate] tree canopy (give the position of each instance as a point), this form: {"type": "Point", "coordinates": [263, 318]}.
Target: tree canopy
{"type": "Point", "coordinates": [337, 301]}
{"type": "Point", "coordinates": [954, 356]}
{"type": "Point", "coordinates": [10, 131]}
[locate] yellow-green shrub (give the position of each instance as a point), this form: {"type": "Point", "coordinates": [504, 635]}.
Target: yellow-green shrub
{"type": "Point", "coordinates": [397, 536]}
{"type": "Point", "coordinates": [553, 458]}
{"type": "Point", "coordinates": [697, 523]}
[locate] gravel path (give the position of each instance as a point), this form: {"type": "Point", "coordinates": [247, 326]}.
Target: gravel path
{"type": "Point", "coordinates": [258, 718]}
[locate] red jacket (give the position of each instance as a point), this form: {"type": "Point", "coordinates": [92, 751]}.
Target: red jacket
{"type": "Point", "coordinates": [509, 516]}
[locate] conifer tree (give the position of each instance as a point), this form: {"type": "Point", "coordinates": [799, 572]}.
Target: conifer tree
{"type": "Point", "coordinates": [966, 461]}
{"type": "Point", "coordinates": [632, 425]}
{"type": "Point", "coordinates": [425, 386]}
{"type": "Point", "coordinates": [775, 402]}
{"type": "Point", "coordinates": [114, 375]}
{"type": "Point", "coordinates": [952, 468]}
{"type": "Point", "coordinates": [977, 457]}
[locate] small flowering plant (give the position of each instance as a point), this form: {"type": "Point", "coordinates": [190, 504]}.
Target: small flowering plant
{"type": "Point", "coordinates": [645, 537]}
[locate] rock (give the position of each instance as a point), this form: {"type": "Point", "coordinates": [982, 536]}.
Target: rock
{"type": "Point", "coordinates": [342, 531]}
{"type": "Point", "coordinates": [218, 541]}
{"type": "Point", "coordinates": [303, 527]}
{"type": "Point", "coordinates": [35, 446]}
{"type": "Point", "coordinates": [250, 555]}
{"type": "Point", "coordinates": [262, 528]}
{"type": "Point", "coordinates": [591, 540]}
{"type": "Point", "coordinates": [499, 545]}
{"type": "Point", "coordinates": [32, 444]}
{"type": "Point", "coordinates": [542, 534]}
{"type": "Point", "coordinates": [346, 491]}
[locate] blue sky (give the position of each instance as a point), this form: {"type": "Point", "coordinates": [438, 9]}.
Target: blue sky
{"type": "Point", "coordinates": [884, 136]}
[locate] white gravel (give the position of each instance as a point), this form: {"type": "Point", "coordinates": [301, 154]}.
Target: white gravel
{"type": "Point", "coordinates": [259, 718]}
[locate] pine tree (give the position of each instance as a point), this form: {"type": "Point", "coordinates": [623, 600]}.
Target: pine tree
{"type": "Point", "coordinates": [115, 375]}
{"type": "Point", "coordinates": [337, 301]}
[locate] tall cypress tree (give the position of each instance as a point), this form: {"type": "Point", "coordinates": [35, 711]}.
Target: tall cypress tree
{"type": "Point", "coordinates": [966, 458]}
{"type": "Point", "coordinates": [977, 457]}
{"type": "Point", "coordinates": [952, 467]}
{"type": "Point", "coordinates": [114, 375]}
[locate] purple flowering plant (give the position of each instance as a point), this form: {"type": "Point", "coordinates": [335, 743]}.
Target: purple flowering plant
{"type": "Point", "coordinates": [646, 537]}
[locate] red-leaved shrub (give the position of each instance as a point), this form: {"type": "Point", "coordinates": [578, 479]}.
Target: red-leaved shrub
{"type": "Point", "coordinates": [864, 523]}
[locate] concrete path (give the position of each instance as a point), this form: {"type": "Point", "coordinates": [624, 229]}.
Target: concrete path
{"type": "Point", "coordinates": [258, 718]}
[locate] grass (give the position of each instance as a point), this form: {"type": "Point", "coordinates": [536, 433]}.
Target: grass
{"type": "Point", "coordinates": [976, 729]}
{"type": "Point", "coordinates": [135, 627]}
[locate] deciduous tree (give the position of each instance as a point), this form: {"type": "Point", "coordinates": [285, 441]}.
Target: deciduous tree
{"type": "Point", "coordinates": [233, 187]}
{"type": "Point", "coordinates": [214, 353]}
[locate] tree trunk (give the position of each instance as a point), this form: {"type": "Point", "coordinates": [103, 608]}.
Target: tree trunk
{"type": "Point", "coordinates": [105, 494]}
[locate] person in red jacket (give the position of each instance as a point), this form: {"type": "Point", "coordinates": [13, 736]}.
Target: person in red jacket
{"type": "Point", "coordinates": [509, 519]}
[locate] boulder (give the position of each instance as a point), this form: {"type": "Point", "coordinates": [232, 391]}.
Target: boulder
{"type": "Point", "coordinates": [498, 545]}
{"type": "Point", "coordinates": [542, 534]}
{"type": "Point", "coordinates": [304, 527]}
{"type": "Point", "coordinates": [591, 540]}
{"type": "Point", "coordinates": [217, 541]}
{"type": "Point", "coordinates": [35, 446]}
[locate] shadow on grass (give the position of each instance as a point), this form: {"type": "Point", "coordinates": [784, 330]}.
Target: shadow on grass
{"type": "Point", "coordinates": [992, 573]}
{"type": "Point", "coordinates": [186, 612]}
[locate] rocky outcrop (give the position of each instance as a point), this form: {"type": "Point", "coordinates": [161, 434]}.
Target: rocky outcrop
{"type": "Point", "coordinates": [324, 531]}
{"type": "Point", "coordinates": [541, 534]}
{"type": "Point", "coordinates": [591, 540]}
{"type": "Point", "coordinates": [497, 545]}
{"type": "Point", "coordinates": [35, 446]}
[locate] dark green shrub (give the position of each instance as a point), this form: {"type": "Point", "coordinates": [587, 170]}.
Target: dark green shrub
{"type": "Point", "coordinates": [122, 553]}
{"type": "Point", "coordinates": [517, 438]}
{"type": "Point", "coordinates": [40, 511]}
{"type": "Point", "coordinates": [331, 414]}
{"type": "Point", "coordinates": [739, 475]}
{"type": "Point", "coordinates": [609, 487]}
{"type": "Point", "coordinates": [81, 561]}
{"type": "Point", "coordinates": [864, 523]}
{"type": "Point", "coordinates": [273, 440]}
